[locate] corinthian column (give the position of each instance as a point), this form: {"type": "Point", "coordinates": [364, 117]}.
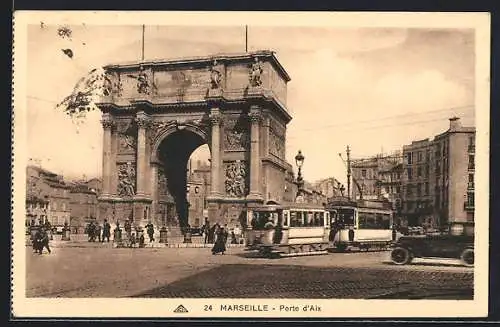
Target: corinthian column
{"type": "Point", "coordinates": [215, 120]}
{"type": "Point", "coordinates": [255, 119]}
{"type": "Point", "coordinates": [107, 125]}
{"type": "Point", "coordinates": [143, 121]}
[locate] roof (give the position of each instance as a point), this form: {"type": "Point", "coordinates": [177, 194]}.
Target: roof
{"type": "Point", "coordinates": [209, 58]}
{"type": "Point", "coordinates": [42, 170]}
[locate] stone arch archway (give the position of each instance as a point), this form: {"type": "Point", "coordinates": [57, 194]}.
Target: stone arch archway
{"type": "Point", "coordinates": [160, 111]}
{"type": "Point", "coordinates": [170, 156]}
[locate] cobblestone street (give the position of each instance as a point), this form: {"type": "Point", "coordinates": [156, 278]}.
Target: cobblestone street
{"type": "Point", "coordinates": [100, 271]}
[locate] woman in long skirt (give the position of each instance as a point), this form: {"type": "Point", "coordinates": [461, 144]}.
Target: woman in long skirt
{"type": "Point", "coordinates": [220, 242]}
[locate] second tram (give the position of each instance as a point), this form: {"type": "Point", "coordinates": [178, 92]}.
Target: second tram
{"type": "Point", "coordinates": [288, 230]}
{"type": "Point", "coordinates": [362, 224]}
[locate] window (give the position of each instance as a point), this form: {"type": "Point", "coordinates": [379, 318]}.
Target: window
{"type": "Point", "coordinates": [363, 173]}
{"type": "Point", "coordinates": [409, 174]}
{"type": "Point", "coordinates": [54, 206]}
{"type": "Point", "coordinates": [438, 167]}
{"type": "Point", "coordinates": [428, 155]}
{"type": "Point", "coordinates": [471, 161]}
{"type": "Point", "coordinates": [419, 171]}
{"type": "Point", "coordinates": [408, 158]}
{"type": "Point", "coordinates": [426, 187]}
{"type": "Point", "coordinates": [471, 181]}
{"type": "Point", "coordinates": [419, 156]}
{"type": "Point", "coordinates": [419, 190]}
{"type": "Point", "coordinates": [427, 169]}
{"type": "Point", "coordinates": [409, 190]}
{"type": "Point", "coordinates": [296, 219]}
{"type": "Point", "coordinates": [398, 189]}
{"type": "Point", "coordinates": [343, 217]}
{"type": "Point", "coordinates": [470, 199]}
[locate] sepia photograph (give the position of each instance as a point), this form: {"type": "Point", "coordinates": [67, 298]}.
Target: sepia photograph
{"type": "Point", "coordinates": [250, 164]}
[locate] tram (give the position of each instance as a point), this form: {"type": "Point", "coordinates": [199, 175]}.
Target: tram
{"type": "Point", "coordinates": [294, 229]}
{"type": "Point", "coordinates": [362, 224]}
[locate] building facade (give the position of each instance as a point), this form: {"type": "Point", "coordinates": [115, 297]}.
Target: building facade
{"type": "Point", "coordinates": [418, 190]}
{"type": "Point", "coordinates": [47, 189]}
{"type": "Point", "coordinates": [439, 177]}
{"type": "Point", "coordinates": [330, 187]}
{"type": "Point", "coordinates": [198, 188]}
{"type": "Point", "coordinates": [377, 178]}
{"type": "Point", "coordinates": [83, 205]}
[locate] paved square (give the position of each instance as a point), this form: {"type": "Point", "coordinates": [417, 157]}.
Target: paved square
{"type": "Point", "coordinates": [101, 271]}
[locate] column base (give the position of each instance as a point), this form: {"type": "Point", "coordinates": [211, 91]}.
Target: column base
{"type": "Point", "coordinates": [214, 196]}
{"type": "Point", "coordinates": [142, 197]}
{"type": "Point", "coordinates": [255, 197]}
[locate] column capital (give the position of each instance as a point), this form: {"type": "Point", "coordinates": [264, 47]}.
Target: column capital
{"type": "Point", "coordinates": [255, 116]}
{"type": "Point", "coordinates": [143, 120]}
{"type": "Point", "coordinates": [215, 116]}
{"type": "Point", "coordinates": [107, 121]}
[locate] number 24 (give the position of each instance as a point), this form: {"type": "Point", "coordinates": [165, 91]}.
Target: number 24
{"type": "Point", "coordinates": [208, 307]}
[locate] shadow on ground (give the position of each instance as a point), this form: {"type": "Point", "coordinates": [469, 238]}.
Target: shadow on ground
{"type": "Point", "coordinates": [284, 281]}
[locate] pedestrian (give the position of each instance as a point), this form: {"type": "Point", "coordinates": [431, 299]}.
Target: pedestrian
{"type": "Point", "coordinates": [225, 233]}
{"type": "Point", "coordinates": [141, 240]}
{"type": "Point", "coordinates": [91, 231]}
{"type": "Point", "coordinates": [128, 228]}
{"type": "Point", "coordinates": [42, 241]}
{"type": "Point", "coordinates": [220, 242]}
{"type": "Point", "coordinates": [98, 232]}
{"type": "Point", "coordinates": [206, 231]}
{"type": "Point", "coordinates": [132, 240]}
{"type": "Point", "coordinates": [151, 231]}
{"type": "Point", "coordinates": [36, 240]}
{"type": "Point", "coordinates": [106, 231]}
{"type": "Point", "coordinates": [233, 238]}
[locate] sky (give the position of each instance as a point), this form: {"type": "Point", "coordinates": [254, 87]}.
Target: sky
{"type": "Point", "coordinates": [374, 89]}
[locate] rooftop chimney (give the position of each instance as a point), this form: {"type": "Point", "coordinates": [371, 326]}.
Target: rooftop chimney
{"type": "Point", "coordinates": [455, 123]}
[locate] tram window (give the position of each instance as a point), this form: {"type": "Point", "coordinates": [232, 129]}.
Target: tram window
{"type": "Point", "coordinates": [295, 219]}
{"type": "Point", "coordinates": [310, 219]}
{"type": "Point", "coordinates": [368, 220]}
{"type": "Point", "coordinates": [286, 222]}
{"type": "Point", "coordinates": [345, 217]}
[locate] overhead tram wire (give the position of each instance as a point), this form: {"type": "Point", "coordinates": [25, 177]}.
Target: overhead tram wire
{"type": "Point", "coordinates": [394, 117]}
{"type": "Point", "coordinates": [374, 127]}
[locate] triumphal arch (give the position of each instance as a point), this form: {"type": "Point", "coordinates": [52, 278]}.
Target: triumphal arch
{"type": "Point", "coordinates": [156, 113]}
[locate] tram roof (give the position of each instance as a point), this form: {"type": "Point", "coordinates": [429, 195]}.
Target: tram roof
{"type": "Point", "coordinates": [286, 205]}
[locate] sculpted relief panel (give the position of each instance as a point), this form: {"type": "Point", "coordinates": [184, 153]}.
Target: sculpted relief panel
{"type": "Point", "coordinates": [126, 179]}
{"type": "Point", "coordinates": [236, 134]}
{"type": "Point", "coordinates": [236, 178]}
{"type": "Point", "coordinates": [182, 84]}
{"type": "Point", "coordinates": [126, 134]}
{"type": "Point", "coordinates": [276, 139]}
{"type": "Point", "coordinates": [163, 192]}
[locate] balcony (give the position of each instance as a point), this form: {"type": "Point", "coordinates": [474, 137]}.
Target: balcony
{"type": "Point", "coordinates": [468, 206]}
{"type": "Point", "coordinates": [470, 185]}
{"type": "Point", "coordinates": [471, 148]}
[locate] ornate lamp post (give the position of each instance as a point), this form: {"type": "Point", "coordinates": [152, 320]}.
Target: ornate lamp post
{"type": "Point", "coordinates": [299, 161]}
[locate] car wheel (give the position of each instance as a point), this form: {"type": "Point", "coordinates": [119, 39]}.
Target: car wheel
{"type": "Point", "coordinates": [467, 257]}
{"type": "Point", "coordinates": [400, 256]}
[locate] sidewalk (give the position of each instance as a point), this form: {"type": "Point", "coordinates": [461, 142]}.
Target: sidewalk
{"type": "Point", "coordinates": [81, 241]}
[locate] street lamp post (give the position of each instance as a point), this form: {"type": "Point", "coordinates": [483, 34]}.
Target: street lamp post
{"type": "Point", "coordinates": [299, 161]}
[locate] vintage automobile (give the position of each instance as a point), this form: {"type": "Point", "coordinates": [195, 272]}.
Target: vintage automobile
{"type": "Point", "coordinates": [457, 242]}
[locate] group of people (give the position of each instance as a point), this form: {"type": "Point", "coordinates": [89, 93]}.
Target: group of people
{"type": "Point", "coordinates": [41, 240]}
{"type": "Point", "coordinates": [217, 235]}
{"type": "Point", "coordinates": [95, 231]}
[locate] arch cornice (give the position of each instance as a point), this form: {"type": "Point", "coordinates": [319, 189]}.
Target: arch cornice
{"type": "Point", "coordinates": [171, 128]}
